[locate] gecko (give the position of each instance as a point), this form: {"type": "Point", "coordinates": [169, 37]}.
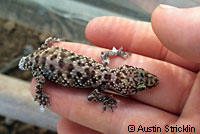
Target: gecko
{"type": "Point", "coordinates": [69, 69]}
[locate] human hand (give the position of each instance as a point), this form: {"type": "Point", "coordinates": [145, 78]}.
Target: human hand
{"type": "Point", "coordinates": [175, 101]}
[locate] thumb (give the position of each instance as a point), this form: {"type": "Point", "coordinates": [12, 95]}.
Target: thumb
{"type": "Point", "coordinates": [179, 30]}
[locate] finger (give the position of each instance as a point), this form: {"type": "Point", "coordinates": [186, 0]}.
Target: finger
{"type": "Point", "coordinates": [73, 105]}
{"type": "Point", "coordinates": [172, 90]}
{"type": "Point", "coordinates": [135, 36]}
{"type": "Point", "coordinates": [179, 30]}
{"type": "Point", "coordinates": [190, 113]}
{"type": "Point", "coordinates": [66, 126]}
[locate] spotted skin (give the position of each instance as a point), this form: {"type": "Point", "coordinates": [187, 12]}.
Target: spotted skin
{"type": "Point", "coordinates": [73, 70]}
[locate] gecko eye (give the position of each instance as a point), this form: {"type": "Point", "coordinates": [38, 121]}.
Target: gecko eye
{"type": "Point", "coordinates": [21, 64]}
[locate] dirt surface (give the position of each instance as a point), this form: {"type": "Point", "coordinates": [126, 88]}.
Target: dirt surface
{"type": "Point", "coordinates": [16, 127]}
{"type": "Point", "coordinates": [15, 41]}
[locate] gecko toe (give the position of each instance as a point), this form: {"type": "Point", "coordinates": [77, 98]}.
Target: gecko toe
{"type": "Point", "coordinates": [109, 102]}
{"type": "Point", "coordinates": [43, 99]}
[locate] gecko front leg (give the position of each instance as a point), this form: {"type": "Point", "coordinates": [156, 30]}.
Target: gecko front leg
{"type": "Point", "coordinates": [114, 52]}
{"type": "Point", "coordinates": [42, 98]}
{"type": "Point", "coordinates": [107, 100]}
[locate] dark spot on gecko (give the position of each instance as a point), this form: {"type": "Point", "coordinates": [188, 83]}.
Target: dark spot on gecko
{"type": "Point", "coordinates": [94, 80]}
{"type": "Point", "coordinates": [84, 79]}
{"type": "Point", "coordinates": [111, 83]}
{"type": "Point", "coordinates": [99, 77]}
{"type": "Point", "coordinates": [27, 59]}
{"type": "Point", "coordinates": [81, 64]}
{"type": "Point", "coordinates": [128, 79]}
{"type": "Point", "coordinates": [124, 72]}
{"type": "Point", "coordinates": [35, 67]}
{"type": "Point", "coordinates": [43, 61]}
{"type": "Point", "coordinates": [61, 63]}
{"type": "Point", "coordinates": [52, 68]}
{"type": "Point", "coordinates": [102, 70]}
{"type": "Point", "coordinates": [62, 55]}
{"type": "Point", "coordinates": [87, 71]}
{"type": "Point", "coordinates": [141, 74]}
{"type": "Point", "coordinates": [103, 82]}
{"type": "Point", "coordinates": [30, 63]}
{"type": "Point", "coordinates": [70, 67]}
{"type": "Point", "coordinates": [38, 87]}
{"type": "Point", "coordinates": [92, 73]}
{"type": "Point", "coordinates": [118, 81]}
{"type": "Point", "coordinates": [45, 52]}
{"type": "Point", "coordinates": [69, 76]}
{"type": "Point", "coordinates": [118, 74]}
{"type": "Point", "coordinates": [112, 71]}
{"type": "Point", "coordinates": [122, 77]}
{"type": "Point", "coordinates": [59, 73]}
{"type": "Point", "coordinates": [107, 76]}
{"type": "Point", "coordinates": [89, 64]}
{"type": "Point", "coordinates": [53, 57]}
{"type": "Point", "coordinates": [71, 54]}
{"type": "Point", "coordinates": [78, 74]}
{"type": "Point", "coordinates": [74, 58]}
{"type": "Point", "coordinates": [37, 59]}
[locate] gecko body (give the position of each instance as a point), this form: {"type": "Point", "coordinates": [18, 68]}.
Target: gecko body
{"type": "Point", "coordinates": [74, 70]}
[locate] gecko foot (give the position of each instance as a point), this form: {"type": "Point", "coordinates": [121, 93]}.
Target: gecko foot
{"type": "Point", "coordinates": [43, 99]}
{"type": "Point", "coordinates": [110, 102]}
{"type": "Point", "coordinates": [122, 53]}
{"type": "Point", "coordinates": [114, 52]}
{"type": "Point", "coordinates": [107, 100]}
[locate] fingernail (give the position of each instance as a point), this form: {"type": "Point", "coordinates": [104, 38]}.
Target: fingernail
{"type": "Point", "coordinates": [166, 6]}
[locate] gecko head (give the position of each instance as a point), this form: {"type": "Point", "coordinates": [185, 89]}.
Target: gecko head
{"type": "Point", "coordinates": [151, 80]}
{"type": "Point", "coordinates": [23, 64]}
{"type": "Point", "coordinates": [145, 79]}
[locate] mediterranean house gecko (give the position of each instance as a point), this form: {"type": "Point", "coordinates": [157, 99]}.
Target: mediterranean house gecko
{"type": "Point", "coordinates": [73, 70]}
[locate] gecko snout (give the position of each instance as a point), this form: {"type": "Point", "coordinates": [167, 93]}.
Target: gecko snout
{"type": "Point", "coordinates": [152, 80]}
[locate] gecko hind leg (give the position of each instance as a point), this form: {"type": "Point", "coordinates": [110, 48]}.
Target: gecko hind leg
{"type": "Point", "coordinates": [107, 100]}
{"type": "Point", "coordinates": [114, 52]}
{"type": "Point", "coordinates": [49, 41]}
{"type": "Point", "coordinates": [42, 98]}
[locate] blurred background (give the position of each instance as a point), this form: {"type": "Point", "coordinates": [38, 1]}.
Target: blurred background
{"type": "Point", "coordinates": [25, 24]}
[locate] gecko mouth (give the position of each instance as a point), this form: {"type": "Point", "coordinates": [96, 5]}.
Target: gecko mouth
{"type": "Point", "coordinates": [21, 63]}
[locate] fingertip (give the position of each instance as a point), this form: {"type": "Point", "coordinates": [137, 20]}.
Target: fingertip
{"type": "Point", "coordinates": [92, 29]}
{"type": "Point", "coordinates": [161, 16]}
{"type": "Point", "coordinates": [178, 29]}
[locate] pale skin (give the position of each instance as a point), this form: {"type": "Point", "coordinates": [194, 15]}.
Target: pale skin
{"type": "Point", "coordinates": [168, 47]}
